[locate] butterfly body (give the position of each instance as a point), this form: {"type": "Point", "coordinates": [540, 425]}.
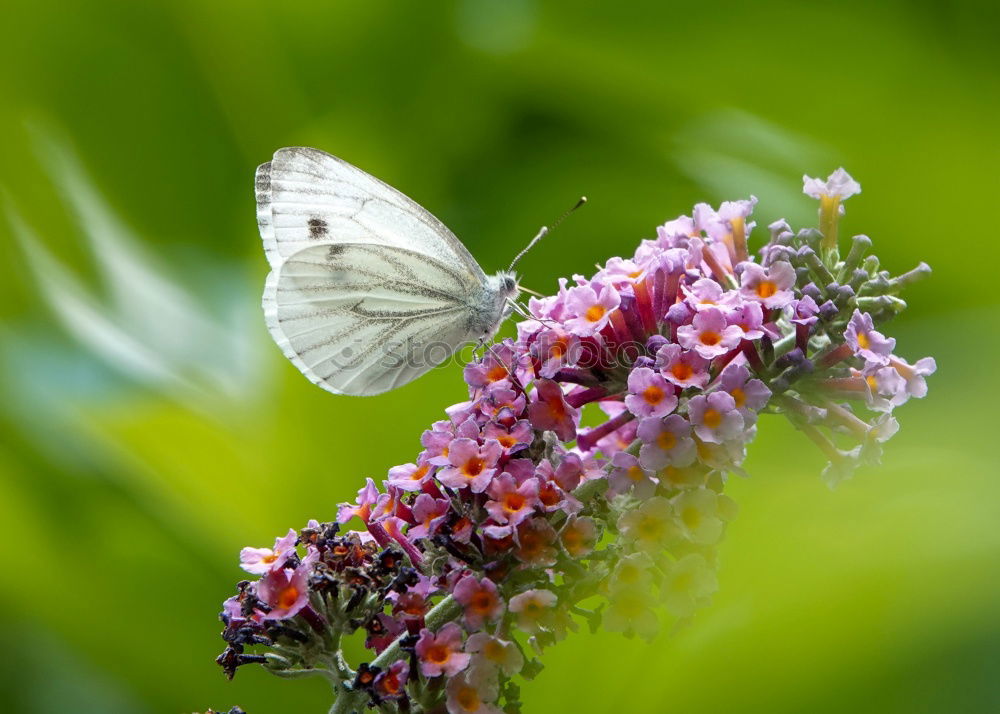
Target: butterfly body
{"type": "Point", "coordinates": [367, 289]}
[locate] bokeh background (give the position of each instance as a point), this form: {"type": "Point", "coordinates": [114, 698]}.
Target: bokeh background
{"type": "Point", "coordinates": [150, 428]}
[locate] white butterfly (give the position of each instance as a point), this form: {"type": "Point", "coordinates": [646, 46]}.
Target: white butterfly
{"type": "Point", "coordinates": [367, 290]}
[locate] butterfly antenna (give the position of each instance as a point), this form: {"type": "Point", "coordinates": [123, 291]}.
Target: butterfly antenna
{"type": "Point", "coordinates": [530, 291]}
{"type": "Point", "coordinates": [545, 231]}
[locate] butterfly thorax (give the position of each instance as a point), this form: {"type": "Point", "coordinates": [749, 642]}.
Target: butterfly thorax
{"type": "Point", "coordinates": [498, 292]}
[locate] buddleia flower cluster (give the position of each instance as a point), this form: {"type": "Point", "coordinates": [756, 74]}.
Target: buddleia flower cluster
{"type": "Point", "coordinates": [516, 525]}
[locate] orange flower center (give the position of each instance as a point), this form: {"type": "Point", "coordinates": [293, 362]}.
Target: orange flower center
{"type": "Point", "coordinates": [496, 373]}
{"type": "Point", "coordinates": [712, 418]}
{"type": "Point", "coordinates": [467, 698]}
{"type": "Point", "coordinates": [595, 313]}
{"type": "Point", "coordinates": [710, 338]}
{"type": "Point", "coordinates": [635, 472]}
{"type": "Point", "coordinates": [513, 502]}
{"type": "Point", "coordinates": [420, 473]}
{"type": "Point", "coordinates": [474, 466]}
{"type": "Point", "coordinates": [438, 654]}
{"type": "Point", "coordinates": [493, 651]}
{"type": "Point", "coordinates": [739, 396]}
{"type": "Point", "coordinates": [682, 371]}
{"type": "Point", "coordinates": [482, 602]}
{"type": "Point", "coordinates": [506, 440]}
{"type": "Point", "coordinates": [288, 597]}
{"type": "Point", "coordinates": [666, 440]}
{"type": "Point", "coordinates": [269, 558]}
{"type": "Point", "coordinates": [766, 288]}
{"type": "Point", "coordinates": [653, 394]}
{"type": "Point", "coordinates": [863, 341]}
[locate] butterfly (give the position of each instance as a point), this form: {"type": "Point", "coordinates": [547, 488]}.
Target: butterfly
{"type": "Point", "coordinates": [367, 290]}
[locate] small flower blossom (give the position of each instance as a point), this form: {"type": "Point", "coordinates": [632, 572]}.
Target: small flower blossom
{"type": "Point", "coordinates": [535, 542]}
{"type": "Point", "coordinates": [748, 394]}
{"type": "Point", "coordinates": [650, 526]}
{"type": "Point", "coordinates": [913, 376]}
{"type": "Point", "coordinates": [749, 317]}
{"type": "Point", "coordinates": [441, 653]}
{"type": "Point", "coordinates": [579, 536]}
{"type": "Point", "coordinates": [709, 334]}
{"type": "Point", "coordinates": [533, 609]}
{"type": "Point", "coordinates": [682, 367]}
{"type": "Point", "coordinates": [630, 610]}
{"type": "Point", "coordinates": [260, 560]}
{"type": "Point", "coordinates": [285, 591]}
{"type": "Point", "coordinates": [838, 185]}
{"type": "Point", "coordinates": [503, 655]}
{"type": "Point", "coordinates": [480, 599]}
{"type": "Point", "coordinates": [770, 286]}
{"type": "Point", "coordinates": [550, 412]}
{"type": "Point", "coordinates": [649, 394]}
{"type": "Point", "coordinates": [665, 442]}
{"type": "Point", "coordinates": [706, 293]}
{"type": "Point", "coordinates": [429, 513]}
{"type": "Point", "coordinates": [362, 507]}
{"type": "Point", "coordinates": [470, 464]}
{"type": "Point", "coordinates": [688, 583]}
{"type": "Point", "coordinates": [472, 691]}
{"type": "Point", "coordinates": [866, 342]}
{"type": "Point", "coordinates": [512, 503]}
{"type": "Point", "coordinates": [409, 477]}
{"type": "Point", "coordinates": [715, 417]}
{"type": "Point", "coordinates": [697, 513]}
{"type": "Point", "coordinates": [391, 683]}
{"type": "Point", "coordinates": [592, 310]}
{"type": "Point", "coordinates": [627, 474]}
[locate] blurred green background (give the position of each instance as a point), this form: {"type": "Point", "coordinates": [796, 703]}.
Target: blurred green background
{"type": "Point", "coordinates": [150, 428]}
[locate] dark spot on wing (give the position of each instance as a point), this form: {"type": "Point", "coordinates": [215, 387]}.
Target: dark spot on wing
{"type": "Point", "coordinates": [317, 227]}
{"type": "Point", "coordinates": [335, 251]}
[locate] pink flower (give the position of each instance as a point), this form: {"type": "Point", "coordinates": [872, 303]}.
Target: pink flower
{"type": "Point", "coordinates": [441, 653]}
{"type": "Point", "coordinates": [749, 394]}
{"type": "Point", "coordinates": [494, 652]}
{"type": "Point", "coordinates": [475, 690]}
{"type": "Point", "coordinates": [519, 436]}
{"type": "Point", "coordinates": [535, 540]}
{"type": "Point", "coordinates": [592, 310]}
{"type": "Point", "coordinates": [682, 367]}
{"type": "Point", "coordinates": [285, 591]}
{"type": "Point", "coordinates": [665, 442]}
{"type": "Point", "coordinates": [771, 286]}
{"type": "Point", "coordinates": [866, 342]}
{"type": "Point", "coordinates": [627, 474]}
{"type": "Point", "coordinates": [362, 507]}
{"type": "Point", "coordinates": [391, 683]}
{"type": "Point", "coordinates": [470, 464]}
{"type": "Point", "coordinates": [839, 185]}
{"type": "Point", "coordinates": [260, 560]}
{"type": "Point", "coordinates": [709, 334]}
{"type": "Point", "coordinates": [409, 477]}
{"type": "Point", "coordinates": [749, 317]}
{"type": "Point", "coordinates": [550, 412]}
{"type": "Point", "coordinates": [715, 417]}
{"type": "Point", "coordinates": [533, 609]}
{"type": "Point", "coordinates": [511, 503]}
{"type": "Point", "coordinates": [649, 394]}
{"type": "Point", "coordinates": [480, 599]}
{"type": "Point", "coordinates": [705, 293]}
{"type": "Point", "coordinates": [429, 513]}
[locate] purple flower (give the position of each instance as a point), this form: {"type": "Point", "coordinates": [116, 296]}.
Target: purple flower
{"type": "Point", "coordinates": [627, 474]}
{"type": "Point", "coordinates": [511, 503]}
{"type": "Point", "coordinates": [470, 464]}
{"type": "Point", "coordinates": [665, 442]}
{"type": "Point", "coordinates": [409, 477]}
{"type": "Point", "coordinates": [391, 683]}
{"type": "Point", "coordinates": [515, 438]}
{"type": "Point", "coordinates": [916, 385]}
{"type": "Point", "coordinates": [706, 293]}
{"type": "Point", "coordinates": [715, 417]}
{"type": "Point", "coordinates": [839, 185]}
{"type": "Point", "coordinates": [649, 394]}
{"type": "Point", "coordinates": [441, 653]}
{"type": "Point", "coordinates": [771, 286]}
{"type": "Point", "coordinates": [682, 367]}
{"type": "Point", "coordinates": [866, 342]}
{"type": "Point", "coordinates": [362, 507]}
{"type": "Point", "coordinates": [428, 513]}
{"type": "Point", "coordinates": [749, 317]}
{"type": "Point", "coordinates": [260, 560]}
{"type": "Point", "coordinates": [709, 334]}
{"type": "Point", "coordinates": [749, 394]}
{"type": "Point", "coordinates": [592, 310]}
{"type": "Point", "coordinates": [474, 690]}
{"type": "Point", "coordinates": [285, 591]}
{"type": "Point", "coordinates": [550, 412]}
{"type": "Point", "coordinates": [480, 599]}
{"type": "Point", "coordinates": [805, 311]}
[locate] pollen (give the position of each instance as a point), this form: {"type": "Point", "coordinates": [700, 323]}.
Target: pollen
{"type": "Point", "coordinates": [863, 341]}
{"type": "Point", "coordinates": [712, 418]}
{"type": "Point", "coordinates": [438, 654]}
{"type": "Point", "coordinates": [635, 472]}
{"type": "Point", "coordinates": [513, 502]}
{"type": "Point", "coordinates": [496, 373]}
{"type": "Point", "coordinates": [766, 288]}
{"type": "Point", "coordinates": [595, 313]}
{"type": "Point", "coordinates": [739, 396]}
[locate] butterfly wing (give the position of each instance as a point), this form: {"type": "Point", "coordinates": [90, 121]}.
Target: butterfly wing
{"type": "Point", "coordinates": [363, 318]}
{"type": "Point", "coordinates": [306, 196]}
